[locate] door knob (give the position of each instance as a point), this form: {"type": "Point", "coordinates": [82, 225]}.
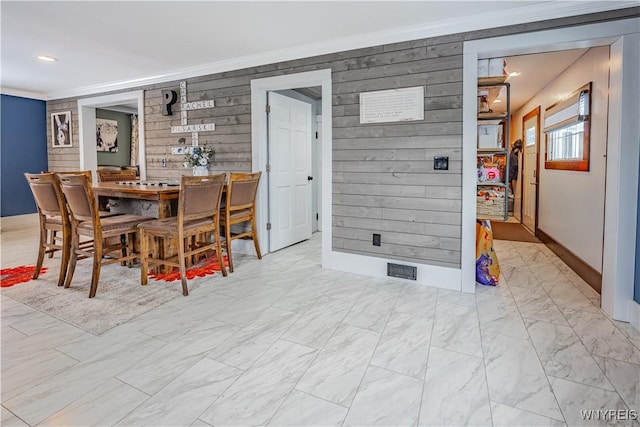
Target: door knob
{"type": "Point", "coordinates": [309, 178]}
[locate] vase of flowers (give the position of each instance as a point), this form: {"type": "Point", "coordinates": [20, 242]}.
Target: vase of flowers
{"type": "Point", "coordinates": [199, 158]}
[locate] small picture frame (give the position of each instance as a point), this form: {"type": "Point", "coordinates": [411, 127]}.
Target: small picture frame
{"type": "Point", "coordinates": [61, 129]}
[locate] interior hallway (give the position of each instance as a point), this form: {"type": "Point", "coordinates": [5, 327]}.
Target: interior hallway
{"type": "Point", "coordinates": [283, 342]}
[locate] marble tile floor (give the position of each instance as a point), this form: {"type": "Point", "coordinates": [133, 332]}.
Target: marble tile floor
{"type": "Point", "coordinates": [283, 342]}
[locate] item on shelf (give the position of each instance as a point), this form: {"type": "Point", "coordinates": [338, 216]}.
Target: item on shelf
{"type": "Point", "coordinates": [483, 101]}
{"type": "Point", "coordinates": [498, 67]}
{"type": "Point", "coordinates": [490, 201]}
{"type": "Point", "coordinates": [484, 160]}
{"type": "Point", "coordinates": [500, 161]}
{"type": "Point", "coordinates": [487, 267]}
{"type": "Point", "coordinates": [488, 136]}
{"type": "Point", "coordinates": [492, 160]}
{"type": "Point", "coordinates": [483, 68]}
{"type": "Point", "coordinates": [488, 174]}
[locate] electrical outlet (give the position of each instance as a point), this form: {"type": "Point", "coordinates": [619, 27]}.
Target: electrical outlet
{"type": "Point", "coordinates": [376, 239]}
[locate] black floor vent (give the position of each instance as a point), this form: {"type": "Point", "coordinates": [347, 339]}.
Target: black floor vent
{"type": "Point", "coordinates": [402, 271]}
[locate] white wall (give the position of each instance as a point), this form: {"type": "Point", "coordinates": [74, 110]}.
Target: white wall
{"type": "Point", "coordinates": [571, 204]}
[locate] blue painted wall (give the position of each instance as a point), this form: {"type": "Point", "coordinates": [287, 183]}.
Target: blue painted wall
{"type": "Point", "coordinates": [23, 148]}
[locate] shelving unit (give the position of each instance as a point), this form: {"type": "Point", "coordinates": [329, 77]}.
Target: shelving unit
{"type": "Point", "coordinates": [492, 199]}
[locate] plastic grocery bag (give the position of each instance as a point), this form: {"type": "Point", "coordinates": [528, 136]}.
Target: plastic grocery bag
{"type": "Point", "coordinates": [487, 267]}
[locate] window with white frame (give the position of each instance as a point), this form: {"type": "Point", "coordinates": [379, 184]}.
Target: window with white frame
{"type": "Point", "coordinates": [567, 130]}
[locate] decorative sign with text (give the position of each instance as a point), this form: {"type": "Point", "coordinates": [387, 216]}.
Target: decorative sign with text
{"type": "Point", "coordinates": [394, 105]}
{"type": "Point", "coordinates": [190, 106]}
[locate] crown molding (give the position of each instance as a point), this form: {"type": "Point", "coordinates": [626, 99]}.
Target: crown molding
{"type": "Point", "coordinates": [520, 15]}
{"type": "Point", "coordinates": [23, 93]}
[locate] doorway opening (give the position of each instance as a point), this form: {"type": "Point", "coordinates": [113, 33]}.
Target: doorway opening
{"type": "Point", "coordinates": [621, 180]}
{"type": "Point", "coordinates": [276, 201]}
{"type": "Point", "coordinates": [529, 182]}
{"type": "Point", "coordinates": [130, 103]}
{"type": "Point", "coordinates": [294, 151]}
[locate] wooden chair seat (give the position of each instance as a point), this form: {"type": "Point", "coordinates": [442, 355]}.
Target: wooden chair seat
{"type": "Point", "coordinates": [170, 225]}
{"type": "Point", "coordinates": [55, 220]}
{"type": "Point", "coordinates": [243, 215]}
{"type": "Point", "coordinates": [112, 223]}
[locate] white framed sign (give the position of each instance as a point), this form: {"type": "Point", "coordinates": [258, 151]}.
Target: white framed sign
{"type": "Point", "coordinates": [394, 105]}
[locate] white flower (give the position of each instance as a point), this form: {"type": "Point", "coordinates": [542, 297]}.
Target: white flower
{"type": "Point", "coordinates": [199, 156]}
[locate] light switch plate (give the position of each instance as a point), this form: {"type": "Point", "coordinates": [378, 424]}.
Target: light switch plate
{"type": "Point", "coordinates": [441, 163]}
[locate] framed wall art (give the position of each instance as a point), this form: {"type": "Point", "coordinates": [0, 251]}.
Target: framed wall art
{"type": "Point", "coordinates": [61, 129]}
{"type": "Point", "coordinates": [107, 135]}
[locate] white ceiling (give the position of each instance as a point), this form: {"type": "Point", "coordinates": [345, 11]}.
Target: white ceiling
{"type": "Point", "coordinates": [536, 71]}
{"type": "Point", "coordinates": [106, 45]}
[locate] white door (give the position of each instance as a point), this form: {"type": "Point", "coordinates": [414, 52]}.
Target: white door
{"type": "Point", "coordinates": [530, 124]}
{"type": "Point", "coordinates": [290, 186]}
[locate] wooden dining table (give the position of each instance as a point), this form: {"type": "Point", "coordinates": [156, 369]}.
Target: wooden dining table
{"type": "Point", "coordinates": [163, 192]}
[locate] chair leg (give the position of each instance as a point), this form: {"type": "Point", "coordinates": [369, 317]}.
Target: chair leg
{"type": "Point", "coordinates": [254, 236]}
{"type": "Point", "coordinates": [144, 258]}
{"type": "Point", "coordinates": [73, 261]}
{"type": "Point", "coordinates": [95, 275]}
{"type": "Point", "coordinates": [66, 249]}
{"type": "Point", "coordinates": [227, 238]}
{"type": "Point", "coordinates": [53, 240]}
{"type": "Point", "coordinates": [130, 239]}
{"type": "Point", "coordinates": [123, 249]}
{"type": "Point", "coordinates": [182, 267]}
{"type": "Point", "coordinates": [192, 245]}
{"type": "Point", "coordinates": [41, 251]}
{"type": "Point", "coordinates": [219, 253]}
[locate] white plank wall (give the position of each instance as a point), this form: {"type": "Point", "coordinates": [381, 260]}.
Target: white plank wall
{"type": "Point", "coordinates": [383, 177]}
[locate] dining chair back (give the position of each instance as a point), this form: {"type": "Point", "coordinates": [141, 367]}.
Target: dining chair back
{"type": "Point", "coordinates": [86, 221]}
{"type": "Point", "coordinates": [86, 173]}
{"type": "Point", "coordinates": [119, 175]}
{"type": "Point", "coordinates": [53, 218]}
{"type": "Point", "coordinates": [195, 230]}
{"type": "Point", "coordinates": [240, 208]}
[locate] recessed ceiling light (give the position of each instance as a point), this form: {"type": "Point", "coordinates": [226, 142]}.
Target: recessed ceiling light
{"type": "Point", "coordinates": [46, 58]}
{"type": "Point", "coordinates": [497, 100]}
{"type": "Point", "coordinates": [514, 74]}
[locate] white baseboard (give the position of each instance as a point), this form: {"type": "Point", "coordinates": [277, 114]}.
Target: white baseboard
{"type": "Point", "coordinates": [428, 275]}
{"type": "Point", "coordinates": [634, 314]}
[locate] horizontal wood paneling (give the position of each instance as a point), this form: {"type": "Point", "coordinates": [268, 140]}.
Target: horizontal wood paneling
{"type": "Point", "coordinates": [383, 177]}
{"type": "Point", "coordinates": [406, 239]}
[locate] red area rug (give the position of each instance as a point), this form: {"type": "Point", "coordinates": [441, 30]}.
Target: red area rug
{"type": "Point", "coordinates": [205, 267]}
{"type": "Point", "coordinates": [15, 275]}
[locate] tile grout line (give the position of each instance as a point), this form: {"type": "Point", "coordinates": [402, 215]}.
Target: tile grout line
{"type": "Point", "coordinates": [318, 351]}
{"type": "Point", "coordinates": [538, 354]}
{"type": "Point", "coordinates": [381, 334]}
{"type": "Point", "coordinates": [426, 367]}
{"type": "Point", "coordinates": [484, 360]}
